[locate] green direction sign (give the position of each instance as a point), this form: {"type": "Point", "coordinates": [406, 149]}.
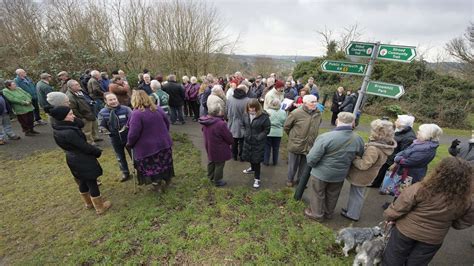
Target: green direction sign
{"type": "Point", "coordinates": [385, 89]}
{"type": "Point", "coordinates": [343, 67]}
{"type": "Point", "coordinates": [397, 53]}
{"type": "Point", "coordinates": [362, 49]}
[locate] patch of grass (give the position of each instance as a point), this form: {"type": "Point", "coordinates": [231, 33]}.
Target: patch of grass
{"type": "Point", "coordinates": [44, 222]}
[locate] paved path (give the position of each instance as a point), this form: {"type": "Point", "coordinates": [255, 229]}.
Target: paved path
{"type": "Point", "coordinates": [456, 249]}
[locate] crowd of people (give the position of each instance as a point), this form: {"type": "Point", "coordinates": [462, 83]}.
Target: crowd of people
{"type": "Point", "coordinates": [244, 120]}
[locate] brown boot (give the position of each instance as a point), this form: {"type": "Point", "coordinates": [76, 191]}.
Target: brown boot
{"type": "Point", "coordinates": [100, 205]}
{"type": "Point", "coordinates": [86, 197]}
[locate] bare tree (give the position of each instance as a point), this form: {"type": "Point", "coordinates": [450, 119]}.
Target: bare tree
{"type": "Point", "coordinates": [462, 48]}
{"type": "Point", "coordinates": [333, 44]}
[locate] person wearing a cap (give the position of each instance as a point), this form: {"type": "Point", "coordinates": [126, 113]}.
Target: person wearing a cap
{"type": "Point", "coordinates": [64, 78]}
{"type": "Point", "coordinates": [43, 89]}
{"type": "Point", "coordinates": [404, 136]}
{"type": "Point", "coordinates": [256, 89]}
{"type": "Point", "coordinates": [26, 84]}
{"type": "Point", "coordinates": [81, 157]}
{"type": "Point", "coordinates": [22, 106]}
{"type": "Point", "coordinates": [276, 93]}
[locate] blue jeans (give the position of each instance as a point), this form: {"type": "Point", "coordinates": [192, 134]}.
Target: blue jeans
{"type": "Point", "coordinates": [119, 148]}
{"type": "Point", "coordinates": [272, 145]}
{"type": "Point", "coordinates": [176, 114]}
{"type": "Point", "coordinates": [6, 127]}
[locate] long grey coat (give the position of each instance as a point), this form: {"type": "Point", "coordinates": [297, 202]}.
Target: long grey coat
{"type": "Point", "coordinates": [236, 113]}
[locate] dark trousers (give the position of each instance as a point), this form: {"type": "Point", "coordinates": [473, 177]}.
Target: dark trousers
{"type": "Point", "coordinates": [194, 106]}
{"type": "Point", "coordinates": [89, 186]}
{"type": "Point", "coordinates": [215, 171]}
{"type": "Point", "coordinates": [402, 250]}
{"type": "Point", "coordinates": [186, 110]}
{"type": "Point", "coordinates": [333, 118]}
{"type": "Point", "coordinates": [256, 169]}
{"type": "Point", "coordinates": [36, 111]}
{"type": "Point", "coordinates": [176, 114]}
{"type": "Point", "coordinates": [119, 148]}
{"type": "Point", "coordinates": [237, 147]}
{"type": "Point", "coordinates": [380, 176]}
{"type": "Point", "coordinates": [272, 146]}
{"type": "Point", "coordinates": [26, 121]}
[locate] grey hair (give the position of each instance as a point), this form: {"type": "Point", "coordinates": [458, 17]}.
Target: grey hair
{"type": "Point", "coordinates": [345, 117]}
{"type": "Point", "coordinates": [185, 78]}
{"type": "Point", "coordinates": [243, 87]}
{"type": "Point", "coordinates": [381, 130]}
{"type": "Point", "coordinates": [270, 81]}
{"type": "Point", "coordinates": [429, 132]}
{"type": "Point", "coordinates": [309, 98]}
{"type": "Point", "coordinates": [95, 73]}
{"type": "Point", "coordinates": [172, 77]}
{"type": "Point", "coordinates": [217, 89]}
{"type": "Point", "coordinates": [216, 110]}
{"type": "Point", "coordinates": [155, 84]}
{"type": "Point", "coordinates": [70, 82]}
{"type": "Point", "coordinates": [193, 78]}
{"type": "Point", "coordinates": [275, 104]}
{"type": "Point", "coordinates": [18, 71]}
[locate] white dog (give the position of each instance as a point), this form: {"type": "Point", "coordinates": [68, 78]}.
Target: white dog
{"type": "Point", "coordinates": [370, 253]}
{"type": "Point", "coordinates": [352, 236]}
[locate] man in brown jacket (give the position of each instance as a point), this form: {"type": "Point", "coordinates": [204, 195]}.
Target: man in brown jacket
{"type": "Point", "coordinates": [82, 106]}
{"type": "Point", "coordinates": [302, 127]}
{"type": "Point", "coordinates": [121, 89]}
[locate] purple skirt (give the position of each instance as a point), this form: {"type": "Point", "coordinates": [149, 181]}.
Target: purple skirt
{"type": "Point", "coordinates": [156, 167]}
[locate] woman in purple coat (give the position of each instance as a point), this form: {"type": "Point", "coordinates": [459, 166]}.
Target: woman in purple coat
{"type": "Point", "coordinates": [148, 136]}
{"type": "Point", "coordinates": [217, 140]}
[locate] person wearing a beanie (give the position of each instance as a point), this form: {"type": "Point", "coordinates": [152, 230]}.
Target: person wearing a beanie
{"type": "Point", "coordinates": [276, 93]}
{"type": "Point", "coordinates": [5, 125]}
{"type": "Point", "coordinates": [81, 157]}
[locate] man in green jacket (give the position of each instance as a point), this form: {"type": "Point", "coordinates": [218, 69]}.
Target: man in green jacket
{"type": "Point", "coordinates": [330, 159]}
{"type": "Point", "coordinates": [42, 89]}
{"type": "Point", "coordinates": [27, 85]}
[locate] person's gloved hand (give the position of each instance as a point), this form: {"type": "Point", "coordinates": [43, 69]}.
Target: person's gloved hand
{"type": "Point", "coordinates": [320, 107]}
{"type": "Point", "coordinates": [455, 143]}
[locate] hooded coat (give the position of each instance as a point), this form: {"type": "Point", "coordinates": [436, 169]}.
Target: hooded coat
{"type": "Point", "coordinates": [217, 138]}
{"type": "Point", "coordinates": [256, 132]}
{"type": "Point", "coordinates": [236, 112]}
{"type": "Point", "coordinates": [81, 157]}
{"type": "Point", "coordinates": [364, 170]}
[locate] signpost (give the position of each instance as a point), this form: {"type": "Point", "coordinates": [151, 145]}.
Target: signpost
{"type": "Point", "coordinates": [397, 53]}
{"type": "Point", "coordinates": [361, 49]}
{"type": "Point", "coordinates": [343, 67]}
{"type": "Point", "coordinates": [385, 89]}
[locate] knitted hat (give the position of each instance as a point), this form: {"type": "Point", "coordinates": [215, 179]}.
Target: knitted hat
{"type": "Point", "coordinates": [56, 98]}
{"type": "Point", "coordinates": [59, 112]}
{"type": "Point", "coordinates": [279, 84]}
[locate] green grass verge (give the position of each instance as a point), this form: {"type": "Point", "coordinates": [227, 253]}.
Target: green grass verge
{"type": "Point", "coordinates": [44, 222]}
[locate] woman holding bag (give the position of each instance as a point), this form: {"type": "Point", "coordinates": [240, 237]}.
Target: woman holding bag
{"type": "Point", "coordinates": [363, 170]}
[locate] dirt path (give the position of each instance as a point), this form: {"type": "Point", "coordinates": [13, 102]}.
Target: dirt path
{"type": "Point", "coordinates": [456, 249]}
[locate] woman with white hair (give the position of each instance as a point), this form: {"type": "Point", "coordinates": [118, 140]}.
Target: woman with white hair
{"type": "Point", "coordinates": [192, 95]}
{"type": "Point", "coordinates": [364, 169]}
{"type": "Point", "coordinates": [404, 136]}
{"type": "Point", "coordinates": [414, 160]}
{"type": "Point", "coordinates": [277, 120]}
{"type": "Point", "coordinates": [217, 97]}
{"type": "Point", "coordinates": [159, 97]}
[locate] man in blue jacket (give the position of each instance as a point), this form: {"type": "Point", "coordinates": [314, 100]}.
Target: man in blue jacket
{"type": "Point", "coordinates": [113, 119]}
{"type": "Point", "coordinates": [27, 85]}
{"type": "Point", "coordinates": [330, 159]}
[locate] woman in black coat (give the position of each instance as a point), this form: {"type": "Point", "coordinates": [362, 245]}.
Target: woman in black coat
{"type": "Point", "coordinates": [81, 157]}
{"type": "Point", "coordinates": [337, 100]}
{"type": "Point", "coordinates": [257, 125]}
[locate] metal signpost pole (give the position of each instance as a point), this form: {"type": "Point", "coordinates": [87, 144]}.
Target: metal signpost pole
{"type": "Point", "coordinates": [366, 78]}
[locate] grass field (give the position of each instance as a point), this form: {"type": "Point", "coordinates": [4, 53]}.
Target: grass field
{"type": "Point", "coordinates": [43, 220]}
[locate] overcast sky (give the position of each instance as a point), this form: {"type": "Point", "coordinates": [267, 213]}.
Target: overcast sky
{"type": "Point", "coordinates": [284, 27]}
